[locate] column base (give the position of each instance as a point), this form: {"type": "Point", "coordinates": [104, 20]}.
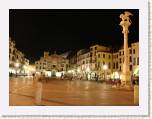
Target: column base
{"type": "Point", "coordinates": [126, 85]}
{"type": "Point", "coordinates": [136, 94]}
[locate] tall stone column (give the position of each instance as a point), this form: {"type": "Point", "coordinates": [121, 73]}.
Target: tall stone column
{"type": "Point", "coordinates": [125, 23]}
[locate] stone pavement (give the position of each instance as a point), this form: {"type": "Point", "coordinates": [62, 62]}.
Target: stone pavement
{"type": "Point", "coordinates": [55, 92]}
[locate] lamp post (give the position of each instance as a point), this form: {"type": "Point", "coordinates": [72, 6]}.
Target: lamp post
{"type": "Point", "coordinates": [125, 23]}
{"type": "Point", "coordinates": [105, 67]}
{"type": "Point", "coordinates": [16, 67]}
{"type": "Point", "coordinates": [24, 67]}
{"type": "Point", "coordinates": [87, 70]}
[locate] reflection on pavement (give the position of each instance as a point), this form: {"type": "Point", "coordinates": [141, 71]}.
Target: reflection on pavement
{"type": "Point", "coordinates": [55, 92]}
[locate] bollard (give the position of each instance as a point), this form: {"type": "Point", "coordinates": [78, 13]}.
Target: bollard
{"type": "Point", "coordinates": [136, 94]}
{"type": "Point", "coordinates": [38, 97]}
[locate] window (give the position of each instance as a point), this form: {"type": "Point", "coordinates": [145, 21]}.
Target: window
{"type": "Point", "coordinates": [13, 58]}
{"type": "Point", "coordinates": [130, 68]}
{"type": "Point", "coordinates": [103, 63]}
{"type": "Point", "coordinates": [120, 60]}
{"type": "Point", "coordinates": [66, 65]}
{"type": "Point", "coordinates": [14, 52]}
{"type": "Point", "coordinates": [130, 51]}
{"type": "Point", "coordinates": [137, 60]}
{"type": "Point", "coordinates": [98, 64]}
{"type": "Point", "coordinates": [130, 59]}
{"type": "Point", "coordinates": [114, 65]}
{"type": "Point", "coordinates": [123, 52]}
{"type": "Point", "coordinates": [120, 68]}
{"type": "Point", "coordinates": [133, 51]}
{"type": "Point", "coordinates": [103, 55]}
{"type": "Point", "coordinates": [109, 56]}
{"type": "Point", "coordinates": [119, 53]}
{"type": "Point", "coordinates": [98, 55]}
{"type": "Point", "coordinates": [109, 65]}
{"type": "Point", "coordinates": [95, 48]}
{"type": "Point", "coordinates": [90, 54]}
{"type": "Point", "coordinates": [134, 63]}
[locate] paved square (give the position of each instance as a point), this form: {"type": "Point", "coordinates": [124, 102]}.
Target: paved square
{"type": "Point", "coordinates": [57, 92]}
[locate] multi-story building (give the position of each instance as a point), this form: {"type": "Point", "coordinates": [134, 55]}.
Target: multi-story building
{"type": "Point", "coordinates": [72, 62]}
{"type": "Point", "coordinates": [52, 64]}
{"type": "Point", "coordinates": [94, 51]}
{"type": "Point", "coordinates": [89, 62]}
{"type": "Point", "coordinates": [99, 57]}
{"type": "Point", "coordinates": [133, 58]}
{"type": "Point", "coordinates": [17, 60]}
{"type": "Point", "coordinates": [102, 62]}
{"type": "Point", "coordinates": [83, 63]}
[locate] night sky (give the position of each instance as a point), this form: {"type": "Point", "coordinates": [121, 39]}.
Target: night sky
{"type": "Point", "coordinates": [35, 31]}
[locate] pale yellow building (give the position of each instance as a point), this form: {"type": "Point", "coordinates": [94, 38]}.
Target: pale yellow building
{"type": "Point", "coordinates": [52, 65]}
{"type": "Point", "coordinates": [17, 60]}
{"type": "Point", "coordinates": [102, 62]}
{"type": "Point", "coordinates": [133, 58]}
{"type": "Point", "coordinates": [83, 63]}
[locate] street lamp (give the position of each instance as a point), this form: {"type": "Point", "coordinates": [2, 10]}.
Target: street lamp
{"type": "Point", "coordinates": [78, 70]}
{"type": "Point", "coordinates": [24, 67]}
{"type": "Point", "coordinates": [105, 67]}
{"type": "Point", "coordinates": [16, 65]}
{"type": "Point", "coordinates": [88, 70]}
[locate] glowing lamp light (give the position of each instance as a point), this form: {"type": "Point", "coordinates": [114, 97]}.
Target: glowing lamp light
{"type": "Point", "coordinates": [49, 74]}
{"type": "Point", "coordinates": [136, 72]}
{"type": "Point", "coordinates": [121, 76]}
{"type": "Point", "coordinates": [11, 70]}
{"type": "Point", "coordinates": [58, 74]}
{"type": "Point", "coordinates": [78, 70]}
{"type": "Point", "coordinates": [17, 64]}
{"type": "Point", "coordinates": [88, 69]}
{"type": "Point", "coordinates": [72, 71]}
{"type": "Point", "coordinates": [69, 71]}
{"type": "Point", "coordinates": [105, 67]}
{"type": "Point", "coordinates": [32, 69]}
{"type": "Point", "coordinates": [25, 67]}
{"type": "Point", "coordinates": [115, 75]}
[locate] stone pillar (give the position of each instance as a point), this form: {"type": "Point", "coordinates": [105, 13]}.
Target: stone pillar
{"type": "Point", "coordinates": [136, 94]}
{"type": "Point", "coordinates": [125, 23]}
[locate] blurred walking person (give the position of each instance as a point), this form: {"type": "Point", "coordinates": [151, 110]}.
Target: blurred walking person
{"type": "Point", "coordinates": [38, 91]}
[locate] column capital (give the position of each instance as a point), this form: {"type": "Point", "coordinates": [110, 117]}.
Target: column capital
{"type": "Point", "coordinates": [126, 22]}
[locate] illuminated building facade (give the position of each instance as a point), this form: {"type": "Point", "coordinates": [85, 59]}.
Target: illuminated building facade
{"type": "Point", "coordinates": [83, 63]}
{"type": "Point", "coordinates": [133, 58]}
{"type": "Point", "coordinates": [17, 60]}
{"type": "Point", "coordinates": [52, 64]}
{"type": "Point", "coordinates": [102, 62]}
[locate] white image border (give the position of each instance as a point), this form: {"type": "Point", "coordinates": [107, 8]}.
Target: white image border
{"type": "Point", "coordinates": [142, 109]}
